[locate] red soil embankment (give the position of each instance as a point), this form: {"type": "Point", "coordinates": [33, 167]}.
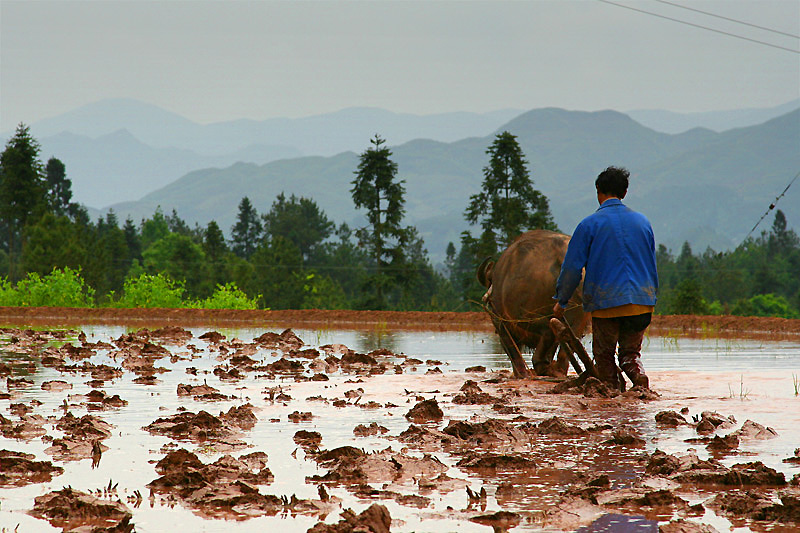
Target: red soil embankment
{"type": "Point", "coordinates": [681, 325]}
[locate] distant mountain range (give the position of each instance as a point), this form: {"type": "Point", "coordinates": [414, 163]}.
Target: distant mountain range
{"type": "Point", "coordinates": [705, 187]}
{"type": "Point", "coordinates": [700, 185]}
{"type": "Point", "coordinates": [121, 149]}
{"type": "Point", "coordinates": [671, 122]}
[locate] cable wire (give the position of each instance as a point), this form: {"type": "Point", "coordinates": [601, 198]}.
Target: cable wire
{"type": "Point", "coordinates": [772, 205]}
{"type": "Point", "coordinates": [701, 27]}
{"type": "Point", "coordinates": [728, 18]}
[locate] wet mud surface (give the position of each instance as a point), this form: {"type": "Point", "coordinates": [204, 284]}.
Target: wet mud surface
{"type": "Point", "coordinates": [127, 428]}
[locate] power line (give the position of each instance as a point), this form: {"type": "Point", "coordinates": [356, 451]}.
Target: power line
{"type": "Point", "coordinates": [701, 27]}
{"type": "Point", "coordinates": [772, 205]}
{"type": "Point", "coordinates": [729, 19]}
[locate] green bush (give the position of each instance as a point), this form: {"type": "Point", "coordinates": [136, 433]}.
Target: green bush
{"type": "Point", "coordinates": [228, 296]}
{"type": "Point", "coordinates": [8, 294]}
{"type": "Point", "coordinates": [151, 291]}
{"type": "Point", "coordinates": [688, 299]}
{"type": "Point", "coordinates": [60, 288]}
{"type": "Point", "coordinates": [765, 305]}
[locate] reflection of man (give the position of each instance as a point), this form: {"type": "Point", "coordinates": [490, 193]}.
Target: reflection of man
{"type": "Point", "coordinates": [616, 247]}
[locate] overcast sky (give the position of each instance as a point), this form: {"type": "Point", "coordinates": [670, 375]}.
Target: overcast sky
{"type": "Point", "coordinates": [214, 61]}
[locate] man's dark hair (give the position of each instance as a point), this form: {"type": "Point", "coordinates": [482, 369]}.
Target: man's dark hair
{"type": "Point", "coordinates": [613, 181]}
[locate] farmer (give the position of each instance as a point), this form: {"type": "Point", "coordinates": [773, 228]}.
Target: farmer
{"type": "Point", "coordinates": [616, 247]}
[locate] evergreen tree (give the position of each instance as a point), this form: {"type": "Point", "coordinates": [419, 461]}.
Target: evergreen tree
{"type": "Point", "coordinates": [278, 274]}
{"type": "Point", "coordinates": [377, 189]}
{"type": "Point", "coordinates": [108, 261]}
{"type": "Point", "coordinates": [132, 241]}
{"type": "Point", "coordinates": [179, 257]}
{"type": "Point", "coordinates": [216, 251]}
{"type": "Point", "coordinates": [300, 220]}
{"type": "Point", "coordinates": [154, 229]}
{"type": "Point", "coordinates": [214, 242]}
{"type": "Point", "coordinates": [246, 233]}
{"type": "Point", "coordinates": [508, 204]}
{"type": "Point", "coordinates": [22, 188]}
{"type": "Point", "coordinates": [53, 241]}
{"type": "Point", "coordinates": [450, 260]}
{"type": "Point", "coordinates": [177, 225]}
{"type": "Point", "coordinates": [59, 187]}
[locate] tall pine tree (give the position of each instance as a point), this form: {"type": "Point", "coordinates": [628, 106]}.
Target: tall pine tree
{"type": "Point", "coordinates": [22, 188]}
{"type": "Point", "coordinates": [246, 233]}
{"type": "Point", "coordinates": [377, 189]}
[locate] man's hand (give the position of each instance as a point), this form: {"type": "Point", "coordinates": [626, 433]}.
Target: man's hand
{"type": "Point", "coordinates": [558, 311]}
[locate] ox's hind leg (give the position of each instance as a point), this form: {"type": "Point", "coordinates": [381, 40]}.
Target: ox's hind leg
{"type": "Point", "coordinates": [543, 356]}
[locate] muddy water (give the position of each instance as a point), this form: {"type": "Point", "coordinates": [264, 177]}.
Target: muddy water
{"type": "Point", "coordinates": [746, 379]}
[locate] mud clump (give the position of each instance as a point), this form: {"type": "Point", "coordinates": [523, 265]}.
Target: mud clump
{"type": "Point", "coordinates": [29, 427]}
{"type": "Point", "coordinates": [473, 395]}
{"type": "Point", "coordinates": [684, 526]}
{"type": "Point", "coordinates": [795, 458]}
{"type": "Point", "coordinates": [423, 437]}
{"type": "Point", "coordinates": [710, 421]}
{"type": "Point", "coordinates": [73, 510]}
{"type": "Point", "coordinates": [285, 341]}
{"type": "Point", "coordinates": [308, 439]}
{"type": "Point", "coordinates": [594, 388]}
{"type": "Point", "coordinates": [56, 386]}
{"type": "Point", "coordinates": [500, 521]}
{"type": "Point", "coordinates": [374, 519]}
{"type": "Point", "coordinates": [425, 411]}
{"type": "Point", "coordinates": [374, 428]}
{"type": "Point", "coordinates": [754, 431]}
{"type": "Point", "coordinates": [757, 505]}
{"type": "Point", "coordinates": [223, 489]}
{"type": "Point", "coordinates": [82, 439]}
{"type": "Point", "coordinates": [487, 433]}
{"type": "Point", "coordinates": [202, 392]}
{"type": "Point", "coordinates": [755, 473]}
{"type": "Point", "coordinates": [690, 469]}
{"type": "Point", "coordinates": [214, 337]}
{"type": "Point", "coordinates": [625, 436]}
{"type": "Point", "coordinates": [298, 416]}
{"type": "Point", "coordinates": [670, 419]}
{"type": "Point", "coordinates": [497, 462]}
{"type": "Point", "coordinates": [557, 426]}
{"type": "Point", "coordinates": [18, 469]}
{"type": "Point", "coordinates": [203, 425]}
{"type": "Point", "coordinates": [99, 400]}
{"type": "Point", "coordinates": [722, 445]}
{"type": "Point", "coordinates": [282, 366]}
{"type": "Point", "coordinates": [349, 465]}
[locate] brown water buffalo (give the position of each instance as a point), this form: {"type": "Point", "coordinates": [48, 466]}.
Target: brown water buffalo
{"type": "Point", "coordinates": [519, 298]}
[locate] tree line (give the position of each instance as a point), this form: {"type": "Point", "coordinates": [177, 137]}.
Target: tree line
{"type": "Point", "coordinates": [290, 255]}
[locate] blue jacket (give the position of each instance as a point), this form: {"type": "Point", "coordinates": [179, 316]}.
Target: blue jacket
{"type": "Point", "coordinates": [616, 247]}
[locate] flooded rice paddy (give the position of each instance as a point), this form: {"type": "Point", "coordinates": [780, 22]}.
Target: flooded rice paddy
{"type": "Point", "coordinates": [559, 462]}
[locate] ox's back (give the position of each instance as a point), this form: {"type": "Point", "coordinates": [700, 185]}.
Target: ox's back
{"type": "Point", "coordinates": [523, 282]}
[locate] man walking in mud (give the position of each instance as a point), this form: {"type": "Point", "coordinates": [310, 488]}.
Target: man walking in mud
{"type": "Point", "coordinates": [616, 247]}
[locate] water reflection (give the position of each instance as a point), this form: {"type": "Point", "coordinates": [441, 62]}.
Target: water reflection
{"type": "Point", "coordinates": [698, 374]}
{"type": "Point", "coordinates": [617, 523]}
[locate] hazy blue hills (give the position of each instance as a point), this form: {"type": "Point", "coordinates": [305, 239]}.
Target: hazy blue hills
{"type": "Point", "coordinates": [672, 122]}
{"type": "Point", "coordinates": [118, 166]}
{"type": "Point", "coordinates": [702, 186]}
{"type": "Point", "coordinates": [121, 149]}
{"type": "Point", "coordinates": [325, 134]}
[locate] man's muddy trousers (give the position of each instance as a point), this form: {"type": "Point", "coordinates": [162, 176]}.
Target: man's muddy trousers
{"type": "Point", "coordinates": [627, 332]}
